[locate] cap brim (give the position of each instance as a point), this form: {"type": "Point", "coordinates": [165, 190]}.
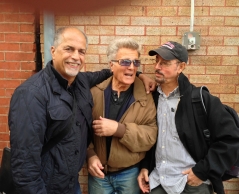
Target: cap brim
{"type": "Point", "coordinates": [166, 54]}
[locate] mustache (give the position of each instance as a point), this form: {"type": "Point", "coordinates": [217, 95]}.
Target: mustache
{"type": "Point", "coordinates": [158, 72]}
{"type": "Point", "coordinates": [73, 63]}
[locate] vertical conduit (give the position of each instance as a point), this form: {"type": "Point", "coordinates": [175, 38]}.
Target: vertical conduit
{"type": "Point", "coordinates": [38, 55]}
{"type": "Point", "coordinates": [192, 16]}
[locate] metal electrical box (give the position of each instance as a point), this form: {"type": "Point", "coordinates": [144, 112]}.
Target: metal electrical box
{"type": "Point", "coordinates": [191, 40]}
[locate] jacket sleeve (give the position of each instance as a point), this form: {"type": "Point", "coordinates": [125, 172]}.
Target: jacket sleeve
{"type": "Point", "coordinates": [97, 76]}
{"type": "Point", "coordinates": [224, 148]}
{"type": "Point", "coordinates": [27, 123]}
{"type": "Point", "coordinates": [144, 133]}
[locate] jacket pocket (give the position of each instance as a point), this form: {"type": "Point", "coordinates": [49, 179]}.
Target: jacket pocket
{"type": "Point", "coordinates": [60, 113]}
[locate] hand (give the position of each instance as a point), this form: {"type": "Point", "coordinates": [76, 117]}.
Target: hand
{"type": "Point", "coordinates": [95, 167]}
{"type": "Point", "coordinates": [104, 127]}
{"type": "Point", "coordinates": [193, 180]}
{"type": "Point", "coordinates": [149, 84]}
{"type": "Point", "coordinates": [143, 180]}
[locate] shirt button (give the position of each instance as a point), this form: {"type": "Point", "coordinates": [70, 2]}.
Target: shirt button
{"type": "Point", "coordinates": [162, 177]}
{"type": "Point", "coordinates": [76, 152]}
{"type": "Point", "coordinates": [163, 147]}
{"type": "Point", "coordinates": [163, 161]}
{"type": "Point", "coordinates": [163, 131]}
{"type": "Point", "coordinates": [78, 123]}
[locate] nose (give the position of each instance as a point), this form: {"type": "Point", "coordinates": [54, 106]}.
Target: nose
{"type": "Point", "coordinates": [157, 65]}
{"type": "Point", "coordinates": [75, 55]}
{"type": "Point", "coordinates": [131, 65]}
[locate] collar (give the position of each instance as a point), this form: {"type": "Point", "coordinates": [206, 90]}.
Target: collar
{"type": "Point", "coordinates": [62, 81]}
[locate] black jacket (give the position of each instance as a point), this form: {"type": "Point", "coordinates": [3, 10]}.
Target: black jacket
{"type": "Point", "coordinates": [211, 163]}
{"type": "Point", "coordinates": [39, 109]}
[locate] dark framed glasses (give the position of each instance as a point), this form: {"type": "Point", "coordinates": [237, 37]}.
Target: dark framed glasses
{"type": "Point", "coordinates": [127, 62]}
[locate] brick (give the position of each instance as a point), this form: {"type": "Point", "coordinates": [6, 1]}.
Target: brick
{"type": "Point", "coordinates": [108, 10]}
{"type": "Point", "coordinates": [9, 92]}
{"type": "Point", "coordinates": [129, 30]}
{"type": "Point", "coordinates": [115, 20]}
{"type": "Point", "coordinates": [28, 65]}
{"type": "Point", "coordinates": [84, 20]}
{"type": "Point", "coordinates": [26, 18]}
{"type": "Point", "coordinates": [2, 37]}
{"type": "Point", "coordinates": [103, 59]}
{"type": "Point", "coordinates": [10, 83]}
{"type": "Point", "coordinates": [93, 39]}
{"type": "Point", "coordinates": [146, 2]}
{"type": "Point", "coordinates": [229, 79]}
{"type": "Point", "coordinates": [205, 79]}
{"type": "Point", "coordinates": [163, 11]}
{"type": "Point", "coordinates": [2, 92]}
{"type": "Point", "coordinates": [224, 11]}
{"type": "Point", "coordinates": [175, 3]}
{"type": "Point", "coordinates": [130, 10]}
{"type": "Point", "coordinates": [97, 49]}
{"type": "Point", "coordinates": [205, 60]}
{"type": "Point", "coordinates": [62, 20]}
{"type": "Point", "coordinates": [147, 60]}
{"type": "Point", "coordinates": [27, 47]}
{"type": "Point", "coordinates": [3, 143]}
{"type": "Point", "coordinates": [201, 51]}
{"type": "Point", "coordinates": [1, 17]}
{"type": "Point", "coordinates": [232, 21]}
{"type": "Point", "coordinates": [210, 3]}
{"type": "Point", "coordinates": [155, 21]}
{"type": "Point", "coordinates": [212, 40]}
{"type": "Point", "coordinates": [9, 8]}
{"type": "Point", "coordinates": [150, 69]}
{"type": "Point", "coordinates": [9, 27]}
{"type": "Point", "coordinates": [147, 40]}
{"type": "Point", "coordinates": [221, 88]}
{"type": "Point", "coordinates": [12, 37]}
{"type": "Point", "coordinates": [100, 30]}
{"type": "Point", "coordinates": [231, 41]}
{"type": "Point", "coordinates": [203, 30]}
{"type": "Point", "coordinates": [9, 47]}
{"type": "Point", "coordinates": [232, 3]}
{"type": "Point", "coordinates": [18, 74]}
{"type": "Point", "coordinates": [221, 70]}
{"type": "Point", "coordinates": [222, 50]}
{"type": "Point", "coordinates": [96, 67]}
{"type": "Point", "coordinates": [229, 98]}
{"type": "Point", "coordinates": [160, 31]}
{"type": "Point", "coordinates": [19, 56]}
{"type": "Point", "coordinates": [4, 101]}
{"type": "Point", "coordinates": [194, 70]}
{"type": "Point", "coordinates": [10, 65]}
{"type": "Point", "coordinates": [2, 74]}
{"type": "Point", "coordinates": [198, 11]}
{"type": "Point", "coordinates": [4, 136]}
{"type": "Point", "coordinates": [225, 31]}
{"type": "Point", "coordinates": [92, 59]}
{"type": "Point", "coordinates": [209, 20]}
{"type": "Point", "coordinates": [172, 21]}
{"type": "Point", "coordinates": [230, 60]}
{"type": "Point", "coordinates": [2, 56]}
{"type": "Point", "coordinates": [27, 28]}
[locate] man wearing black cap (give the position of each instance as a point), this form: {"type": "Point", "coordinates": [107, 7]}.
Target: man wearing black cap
{"type": "Point", "coordinates": [181, 162]}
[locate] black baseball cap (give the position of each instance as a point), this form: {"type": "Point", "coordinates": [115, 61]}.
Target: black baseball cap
{"type": "Point", "coordinates": [171, 50]}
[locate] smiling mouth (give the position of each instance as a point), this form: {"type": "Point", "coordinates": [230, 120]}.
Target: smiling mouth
{"type": "Point", "coordinates": [73, 63]}
{"type": "Point", "coordinates": [128, 74]}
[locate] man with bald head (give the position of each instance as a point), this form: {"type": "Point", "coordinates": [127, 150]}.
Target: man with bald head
{"type": "Point", "coordinates": [53, 100]}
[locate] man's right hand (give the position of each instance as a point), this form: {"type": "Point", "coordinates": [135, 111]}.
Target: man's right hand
{"type": "Point", "coordinates": [95, 167]}
{"type": "Point", "coordinates": [143, 180]}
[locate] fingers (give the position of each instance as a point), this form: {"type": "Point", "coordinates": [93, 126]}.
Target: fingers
{"type": "Point", "coordinates": [143, 180]}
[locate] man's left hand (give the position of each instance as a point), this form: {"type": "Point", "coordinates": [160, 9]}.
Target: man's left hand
{"type": "Point", "coordinates": [193, 180]}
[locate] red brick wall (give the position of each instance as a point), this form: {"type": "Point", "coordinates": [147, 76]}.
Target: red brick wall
{"type": "Point", "coordinates": [151, 23]}
{"type": "Point", "coordinates": [16, 57]}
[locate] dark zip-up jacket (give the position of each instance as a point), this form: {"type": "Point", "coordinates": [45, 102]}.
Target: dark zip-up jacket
{"type": "Point", "coordinates": [39, 109]}
{"type": "Point", "coordinates": [211, 163]}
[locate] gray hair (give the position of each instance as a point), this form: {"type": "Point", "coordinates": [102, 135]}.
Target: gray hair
{"type": "Point", "coordinates": [60, 31]}
{"type": "Point", "coordinates": [119, 43]}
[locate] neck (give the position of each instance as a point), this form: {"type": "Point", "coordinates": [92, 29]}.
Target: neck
{"type": "Point", "coordinates": [119, 87]}
{"type": "Point", "coordinates": [167, 88]}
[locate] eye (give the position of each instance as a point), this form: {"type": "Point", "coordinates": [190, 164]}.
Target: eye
{"type": "Point", "coordinates": [68, 49]}
{"type": "Point", "coordinates": [82, 52]}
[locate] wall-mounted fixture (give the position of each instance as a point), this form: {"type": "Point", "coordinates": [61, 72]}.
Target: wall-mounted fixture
{"type": "Point", "coordinates": [191, 40]}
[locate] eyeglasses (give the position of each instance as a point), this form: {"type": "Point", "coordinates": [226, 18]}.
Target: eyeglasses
{"type": "Point", "coordinates": [127, 62]}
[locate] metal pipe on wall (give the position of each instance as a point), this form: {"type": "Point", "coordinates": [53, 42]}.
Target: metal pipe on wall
{"type": "Point", "coordinates": [49, 31]}
{"type": "Point", "coordinates": [192, 16]}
